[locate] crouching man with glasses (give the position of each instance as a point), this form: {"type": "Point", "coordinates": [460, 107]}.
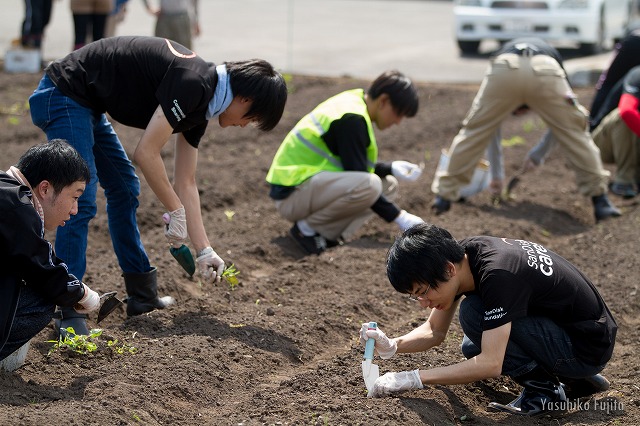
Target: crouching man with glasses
{"type": "Point", "coordinates": [526, 313]}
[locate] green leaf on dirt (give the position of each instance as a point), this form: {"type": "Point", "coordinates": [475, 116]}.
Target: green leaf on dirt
{"type": "Point", "coordinates": [230, 276]}
{"type": "Point", "coordinates": [515, 140]}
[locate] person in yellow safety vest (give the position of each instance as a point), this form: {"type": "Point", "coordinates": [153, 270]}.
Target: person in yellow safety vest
{"type": "Point", "coordinates": [325, 176]}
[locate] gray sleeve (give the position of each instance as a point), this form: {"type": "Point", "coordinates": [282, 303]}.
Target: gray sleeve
{"type": "Point", "coordinates": [539, 152]}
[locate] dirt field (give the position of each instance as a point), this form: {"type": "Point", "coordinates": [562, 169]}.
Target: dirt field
{"type": "Point", "coordinates": [281, 348]}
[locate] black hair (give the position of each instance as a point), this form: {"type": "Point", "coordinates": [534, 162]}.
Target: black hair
{"type": "Point", "coordinates": [257, 80]}
{"type": "Point", "coordinates": [56, 162]}
{"type": "Point", "coordinates": [400, 89]}
{"type": "Point", "coordinates": [420, 256]}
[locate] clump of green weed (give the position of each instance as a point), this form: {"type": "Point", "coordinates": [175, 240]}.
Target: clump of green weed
{"type": "Point", "coordinates": [78, 343]}
{"type": "Point", "coordinates": [122, 348]}
{"type": "Point", "coordinates": [86, 344]}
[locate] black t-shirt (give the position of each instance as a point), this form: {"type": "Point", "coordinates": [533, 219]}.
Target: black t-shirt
{"type": "Point", "coordinates": [128, 77]}
{"type": "Point", "coordinates": [630, 84]}
{"type": "Point", "coordinates": [517, 278]}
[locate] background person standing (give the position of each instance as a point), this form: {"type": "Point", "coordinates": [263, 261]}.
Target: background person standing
{"type": "Point", "coordinates": [176, 20]}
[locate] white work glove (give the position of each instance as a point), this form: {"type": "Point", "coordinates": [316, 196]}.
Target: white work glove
{"type": "Point", "coordinates": [384, 346]}
{"type": "Point", "coordinates": [176, 229]}
{"type": "Point", "coordinates": [395, 382]}
{"type": "Point", "coordinates": [405, 170]}
{"type": "Point", "coordinates": [210, 265]}
{"type": "Point", "coordinates": [89, 302]}
{"type": "Point", "coordinates": [406, 220]}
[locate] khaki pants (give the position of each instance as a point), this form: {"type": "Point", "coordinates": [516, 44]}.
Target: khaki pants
{"type": "Point", "coordinates": [337, 204]}
{"type": "Point", "coordinates": [619, 145]}
{"type": "Point", "coordinates": [511, 81]}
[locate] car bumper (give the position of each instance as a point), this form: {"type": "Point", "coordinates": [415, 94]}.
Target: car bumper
{"type": "Point", "coordinates": [472, 24]}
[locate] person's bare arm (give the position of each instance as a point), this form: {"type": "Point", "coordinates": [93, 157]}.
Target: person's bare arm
{"type": "Point", "coordinates": [147, 157]}
{"type": "Point", "coordinates": [486, 365]}
{"type": "Point", "coordinates": [431, 333]}
{"type": "Point", "coordinates": [186, 160]}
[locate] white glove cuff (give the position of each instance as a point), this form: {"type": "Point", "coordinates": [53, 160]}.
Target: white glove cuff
{"type": "Point", "coordinates": [393, 348]}
{"type": "Point", "coordinates": [415, 378]}
{"type": "Point", "coordinates": [204, 251]}
{"type": "Point", "coordinates": [87, 294]}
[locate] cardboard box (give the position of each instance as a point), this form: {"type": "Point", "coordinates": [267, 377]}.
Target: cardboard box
{"type": "Point", "coordinates": [22, 60]}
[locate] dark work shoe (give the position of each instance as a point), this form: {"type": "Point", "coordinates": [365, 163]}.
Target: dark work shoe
{"type": "Point", "coordinates": [334, 243]}
{"type": "Point", "coordinates": [624, 190]}
{"type": "Point", "coordinates": [440, 205]}
{"type": "Point", "coordinates": [580, 388]}
{"type": "Point", "coordinates": [315, 244]}
{"type": "Point", "coordinates": [603, 208]}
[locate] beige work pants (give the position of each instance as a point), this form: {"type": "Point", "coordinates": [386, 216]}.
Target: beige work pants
{"type": "Point", "coordinates": [511, 81]}
{"type": "Point", "coordinates": [336, 204]}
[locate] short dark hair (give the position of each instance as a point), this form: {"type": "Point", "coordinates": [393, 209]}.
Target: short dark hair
{"type": "Point", "coordinates": [56, 162]}
{"type": "Point", "coordinates": [400, 89]}
{"type": "Point", "coordinates": [420, 255]}
{"type": "Point", "coordinates": [257, 80]}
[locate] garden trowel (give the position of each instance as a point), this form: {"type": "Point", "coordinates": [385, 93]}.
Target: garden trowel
{"type": "Point", "coordinates": [370, 371]}
{"type": "Point", "coordinates": [182, 254]}
{"type": "Point", "coordinates": [109, 302]}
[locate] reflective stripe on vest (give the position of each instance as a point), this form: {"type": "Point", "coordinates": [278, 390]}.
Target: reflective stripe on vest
{"type": "Point", "coordinates": [303, 153]}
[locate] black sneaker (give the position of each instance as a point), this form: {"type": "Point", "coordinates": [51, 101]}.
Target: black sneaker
{"type": "Point", "coordinates": [440, 205]}
{"type": "Point", "coordinates": [624, 190]}
{"type": "Point", "coordinates": [334, 243]}
{"type": "Point", "coordinates": [603, 208]}
{"type": "Point", "coordinates": [580, 388]}
{"type": "Point", "coordinates": [315, 244]}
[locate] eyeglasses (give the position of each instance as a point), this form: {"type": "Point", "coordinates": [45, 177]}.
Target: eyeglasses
{"type": "Point", "coordinates": [419, 296]}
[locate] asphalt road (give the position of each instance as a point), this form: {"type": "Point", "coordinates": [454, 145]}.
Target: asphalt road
{"type": "Point", "coordinates": [360, 38]}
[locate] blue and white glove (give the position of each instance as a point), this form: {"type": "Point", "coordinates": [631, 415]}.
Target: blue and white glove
{"type": "Point", "coordinates": [384, 346]}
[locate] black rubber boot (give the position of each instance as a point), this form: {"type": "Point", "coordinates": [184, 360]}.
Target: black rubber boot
{"type": "Point", "coordinates": [603, 208]}
{"type": "Point", "coordinates": [542, 394]}
{"type": "Point", "coordinates": [587, 386]}
{"type": "Point", "coordinates": [142, 292]}
{"type": "Point", "coordinates": [68, 317]}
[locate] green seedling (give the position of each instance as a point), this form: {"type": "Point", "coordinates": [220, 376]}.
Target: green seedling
{"type": "Point", "coordinates": [77, 343]}
{"type": "Point", "coordinates": [229, 214]}
{"type": "Point", "coordinates": [230, 276]}
{"type": "Point", "coordinates": [121, 349]}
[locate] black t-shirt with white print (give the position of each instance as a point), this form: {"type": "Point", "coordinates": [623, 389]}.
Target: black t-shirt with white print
{"type": "Point", "coordinates": [517, 278]}
{"type": "Point", "coordinates": [128, 77]}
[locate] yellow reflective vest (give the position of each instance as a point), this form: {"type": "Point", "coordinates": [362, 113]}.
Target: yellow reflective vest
{"type": "Point", "coordinates": [303, 153]}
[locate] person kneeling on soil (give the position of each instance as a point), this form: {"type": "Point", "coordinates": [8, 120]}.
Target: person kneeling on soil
{"type": "Point", "coordinates": [326, 178]}
{"type": "Point", "coordinates": [40, 193]}
{"type": "Point", "coordinates": [617, 134]}
{"type": "Point", "coordinates": [526, 313]}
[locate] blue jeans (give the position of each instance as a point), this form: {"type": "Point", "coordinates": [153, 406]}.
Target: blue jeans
{"type": "Point", "coordinates": [533, 341]}
{"type": "Point", "coordinates": [91, 134]}
{"type": "Point", "coordinates": [32, 315]}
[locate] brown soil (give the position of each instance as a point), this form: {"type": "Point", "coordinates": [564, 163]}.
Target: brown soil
{"type": "Point", "coordinates": [282, 347]}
